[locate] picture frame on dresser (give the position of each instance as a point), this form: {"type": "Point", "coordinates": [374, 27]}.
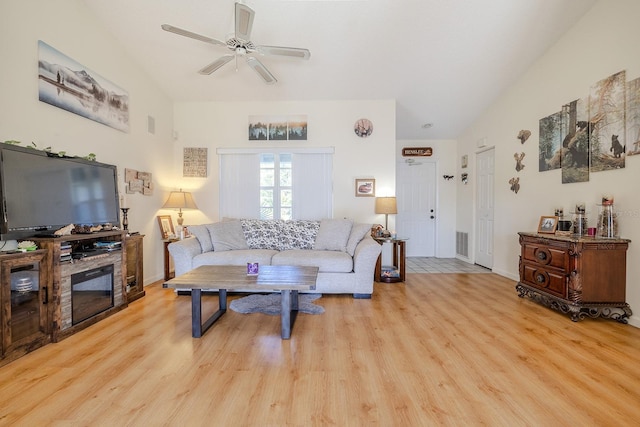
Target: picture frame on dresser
{"type": "Point", "coordinates": [548, 224]}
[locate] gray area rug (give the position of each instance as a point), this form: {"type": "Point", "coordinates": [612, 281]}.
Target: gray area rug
{"type": "Point", "coordinates": [271, 304]}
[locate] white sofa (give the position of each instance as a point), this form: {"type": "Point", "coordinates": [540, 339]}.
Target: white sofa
{"type": "Point", "coordinates": [343, 251]}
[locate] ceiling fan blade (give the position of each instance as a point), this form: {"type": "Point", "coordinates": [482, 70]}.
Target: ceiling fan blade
{"type": "Point", "coordinates": [244, 21]}
{"type": "Point", "coordinates": [215, 65]}
{"type": "Point", "coordinates": [261, 70]}
{"type": "Point", "coordinates": [181, 32]}
{"type": "Point", "coordinates": [292, 52]}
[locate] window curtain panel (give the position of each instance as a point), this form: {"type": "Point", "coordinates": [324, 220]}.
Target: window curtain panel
{"type": "Point", "coordinates": [240, 182]}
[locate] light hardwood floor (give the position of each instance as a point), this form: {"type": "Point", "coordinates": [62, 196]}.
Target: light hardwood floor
{"type": "Point", "coordinates": [440, 349]}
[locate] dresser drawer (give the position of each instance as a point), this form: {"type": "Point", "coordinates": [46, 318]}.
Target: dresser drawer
{"type": "Point", "coordinates": [545, 256]}
{"type": "Point", "coordinates": [549, 281]}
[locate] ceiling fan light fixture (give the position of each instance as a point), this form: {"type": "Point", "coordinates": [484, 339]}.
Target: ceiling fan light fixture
{"type": "Point", "coordinates": [241, 45]}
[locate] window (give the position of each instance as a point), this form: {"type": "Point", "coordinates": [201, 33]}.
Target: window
{"type": "Point", "coordinates": [276, 186]}
{"type": "Point", "coordinates": [288, 183]}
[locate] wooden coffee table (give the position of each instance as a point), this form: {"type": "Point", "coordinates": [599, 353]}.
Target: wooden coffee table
{"type": "Point", "coordinates": [289, 280]}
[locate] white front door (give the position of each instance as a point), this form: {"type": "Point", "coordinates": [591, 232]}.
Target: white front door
{"type": "Point", "coordinates": [485, 167]}
{"type": "Point", "coordinates": [416, 198]}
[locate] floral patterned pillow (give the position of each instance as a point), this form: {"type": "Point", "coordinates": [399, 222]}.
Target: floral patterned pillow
{"type": "Point", "coordinates": [298, 234]}
{"type": "Point", "coordinates": [262, 233]}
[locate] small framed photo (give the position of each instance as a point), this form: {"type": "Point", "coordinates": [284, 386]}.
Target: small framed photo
{"type": "Point", "coordinates": [166, 226]}
{"type": "Point", "coordinates": [366, 187]}
{"type": "Point", "coordinates": [548, 224]}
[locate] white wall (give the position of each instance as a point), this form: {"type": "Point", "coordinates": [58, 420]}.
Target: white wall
{"type": "Point", "coordinates": [604, 42]}
{"type": "Point", "coordinates": [69, 27]}
{"type": "Point", "coordinates": [330, 124]}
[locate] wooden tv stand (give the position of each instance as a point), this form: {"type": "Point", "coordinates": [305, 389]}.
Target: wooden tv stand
{"type": "Point", "coordinates": [61, 272]}
{"type": "Point", "coordinates": [580, 276]}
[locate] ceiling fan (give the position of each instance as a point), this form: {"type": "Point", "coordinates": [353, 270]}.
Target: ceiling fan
{"type": "Point", "coordinates": [242, 46]}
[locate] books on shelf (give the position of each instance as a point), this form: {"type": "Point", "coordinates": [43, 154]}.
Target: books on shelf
{"type": "Point", "coordinates": [65, 252]}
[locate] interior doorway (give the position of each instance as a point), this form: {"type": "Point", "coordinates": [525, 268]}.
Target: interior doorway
{"type": "Point", "coordinates": [485, 167]}
{"type": "Point", "coordinates": [417, 216]}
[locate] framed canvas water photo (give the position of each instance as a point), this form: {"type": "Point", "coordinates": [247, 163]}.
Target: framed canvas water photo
{"type": "Point", "coordinates": [67, 84]}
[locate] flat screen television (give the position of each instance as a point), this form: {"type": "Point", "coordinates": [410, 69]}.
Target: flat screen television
{"type": "Point", "coordinates": [42, 192]}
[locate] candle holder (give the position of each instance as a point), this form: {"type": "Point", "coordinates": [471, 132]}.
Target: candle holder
{"type": "Point", "coordinates": [125, 220]}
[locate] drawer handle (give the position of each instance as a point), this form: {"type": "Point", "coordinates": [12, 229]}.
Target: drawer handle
{"type": "Point", "coordinates": [540, 278]}
{"type": "Point", "coordinates": [542, 256]}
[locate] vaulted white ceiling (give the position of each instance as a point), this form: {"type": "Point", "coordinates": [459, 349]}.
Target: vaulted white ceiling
{"type": "Point", "coordinates": [443, 61]}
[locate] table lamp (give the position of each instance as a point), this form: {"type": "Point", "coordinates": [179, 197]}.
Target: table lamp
{"type": "Point", "coordinates": [180, 200]}
{"type": "Point", "coordinates": [386, 206]}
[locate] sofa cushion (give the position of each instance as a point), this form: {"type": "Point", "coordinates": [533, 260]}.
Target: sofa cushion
{"type": "Point", "coordinates": [237, 257]}
{"type": "Point", "coordinates": [333, 235]}
{"type": "Point", "coordinates": [227, 236]}
{"type": "Point", "coordinates": [202, 234]}
{"type": "Point", "coordinates": [358, 231]}
{"type": "Point", "coordinates": [262, 233]}
{"type": "Point", "coordinates": [326, 261]}
{"type": "Point", "coordinates": [298, 234]}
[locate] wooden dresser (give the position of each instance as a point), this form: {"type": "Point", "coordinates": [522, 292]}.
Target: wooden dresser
{"type": "Point", "coordinates": [580, 276]}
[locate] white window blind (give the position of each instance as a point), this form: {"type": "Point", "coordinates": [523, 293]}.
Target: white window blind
{"type": "Point", "coordinates": [312, 182]}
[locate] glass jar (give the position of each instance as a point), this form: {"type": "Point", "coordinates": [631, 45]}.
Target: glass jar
{"type": "Point", "coordinates": [579, 223]}
{"type": "Point", "coordinates": [607, 222]}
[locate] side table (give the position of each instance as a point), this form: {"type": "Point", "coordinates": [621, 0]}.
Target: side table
{"type": "Point", "coordinates": [396, 272]}
{"type": "Point", "coordinates": [169, 272]}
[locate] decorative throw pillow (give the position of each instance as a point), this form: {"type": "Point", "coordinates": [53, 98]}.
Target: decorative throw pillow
{"type": "Point", "coordinates": [298, 234]}
{"type": "Point", "coordinates": [203, 236]}
{"type": "Point", "coordinates": [262, 233]}
{"type": "Point", "coordinates": [358, 231]}
{"type": "Point", "coordinates": [333, 235]}
{"type": "Point", "coordinates": [227, 235]}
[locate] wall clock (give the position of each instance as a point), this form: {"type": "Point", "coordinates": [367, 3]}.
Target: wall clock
{"type": "Point", "coordinates": [363, 128]}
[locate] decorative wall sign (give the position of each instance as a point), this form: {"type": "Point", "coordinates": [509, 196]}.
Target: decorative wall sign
{"type": "Point", "coordinates": [194, 163]}
{"type": "Point", "coordinates": [138, 182]}
{"type": "Point", "coordinates": [278, 128]}
{"type": "Point", "coordinates": [365, 187]}
{"type": "Point", "coordinates": [363, 128]}
{"type": "Point", "coordinates": [417, 151]}
{"type": "Point", "coordinates": [66, 84]}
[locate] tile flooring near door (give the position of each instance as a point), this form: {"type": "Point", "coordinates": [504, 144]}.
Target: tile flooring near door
{"type": "Point", "coordinates": [442, 265]}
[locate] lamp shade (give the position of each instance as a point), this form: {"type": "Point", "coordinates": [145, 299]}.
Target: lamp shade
{"type": "Point", "coordinates": [386, 205]}
{"type": "Point", "coordinates": [180, 200]}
